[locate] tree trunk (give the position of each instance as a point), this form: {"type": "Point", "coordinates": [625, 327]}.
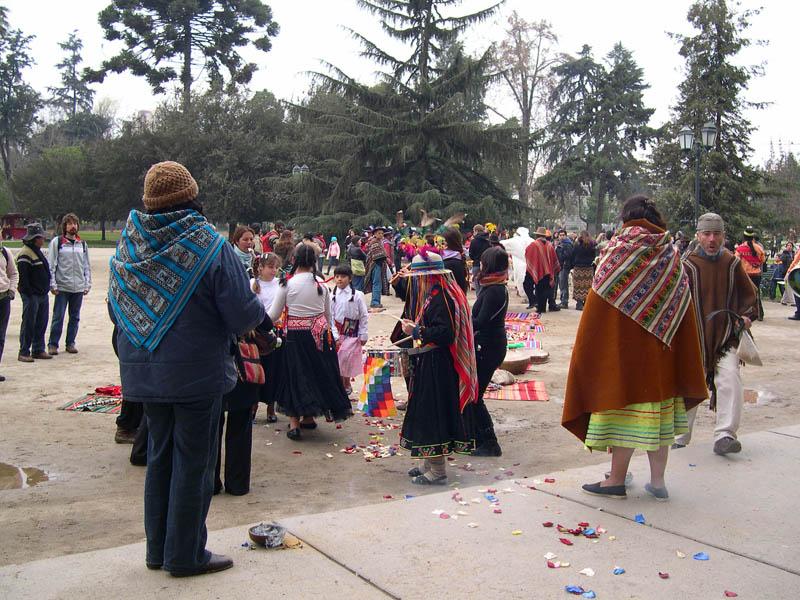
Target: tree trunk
{"type": "Point", "coordinates": [231, 229]}
{"type": "Point", "coordinates": [103, 229]}
{"type": "Point", "coordinates": [5, 152]}
{"type": "Point", "coordinates": [524, 161]}
{"type": "Point", "coordinates": [186, 71]}
{"type": "Point", "coordinates": [598, 219]}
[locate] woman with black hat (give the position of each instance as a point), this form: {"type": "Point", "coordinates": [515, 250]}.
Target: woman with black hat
{"type": "Point", "coordinates": [34, 285]}
{"type": "Point", "coordinates": [443, 372]}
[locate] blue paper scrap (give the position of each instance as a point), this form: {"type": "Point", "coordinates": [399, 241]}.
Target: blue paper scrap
{"type": "Point", "coordinates": [700, 556]}
{"type": "Point", "coordinates": [639, 518]}
{"type": "Point", "coordinates": [619, 571]}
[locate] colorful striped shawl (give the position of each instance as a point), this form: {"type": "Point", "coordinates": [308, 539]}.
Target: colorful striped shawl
{"type": "Point", "coordinates": [159, 261]}
{"type": "Point", "coordinates": [641, 275]}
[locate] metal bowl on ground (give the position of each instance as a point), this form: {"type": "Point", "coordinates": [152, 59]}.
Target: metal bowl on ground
{"type": "Point", "coordinates": [269, 535]}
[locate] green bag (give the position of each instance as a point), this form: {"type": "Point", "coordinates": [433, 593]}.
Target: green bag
{"type": "Point", "coordinates": [358, 267]}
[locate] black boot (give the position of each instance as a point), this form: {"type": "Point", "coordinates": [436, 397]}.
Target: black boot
{"type": "Point", "coordinates": [488, 448]}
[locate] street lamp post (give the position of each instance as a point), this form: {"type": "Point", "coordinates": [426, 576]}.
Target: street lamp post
{"type": "Point", "coordinates": [688, 142]}
{"type": "Point", "coordinates": [299, 172]}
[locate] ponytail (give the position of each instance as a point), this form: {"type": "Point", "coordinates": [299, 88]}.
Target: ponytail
{"type": "Point", "coordinates": [255, 287]}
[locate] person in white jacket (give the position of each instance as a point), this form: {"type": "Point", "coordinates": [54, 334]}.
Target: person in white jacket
{"type": "Point", "coordinates": [9, 278]}
{"type": "Point", "coordinates": [351, 318]}
{"type": "Point", "coordinates": [70, 281]}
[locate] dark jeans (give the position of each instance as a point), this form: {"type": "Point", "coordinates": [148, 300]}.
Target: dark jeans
{"type": "Point", "coordinates": [34, 323]}
{"type": "Point", "coordinates": [62, 300]}
{"type": "Point", "coordinates": [5, 313]}
{"type": "Point", "coordinates": [358, 282]}
{"type": "Point", "coordinates": [332, 264]}
{"type": "Point", "coordinates": [130, 415]}
{"type": "Point", "coordinates": [377, 283]}
{"type": "Point", "coordinates": [238, 451]}
{"type": "Point", "coordinates": [563, 286]}
{"type": "Point", "coordinates": [537, 293]}
{"type": "Point", "coordinates": [181, 455]}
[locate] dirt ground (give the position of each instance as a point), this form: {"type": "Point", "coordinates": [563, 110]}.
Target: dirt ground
{"type": "Point", "coordinates": [93, 498]}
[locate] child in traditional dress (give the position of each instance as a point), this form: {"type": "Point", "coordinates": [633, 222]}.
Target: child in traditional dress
{"type": "Point", "coordinates": [265, 286]}
{"type": "Point", "coordinates": [443, 371]}
{"type": "Point", "coordinates": [351, 318]}
{"type": "Point", "coordinates": [310, 384]}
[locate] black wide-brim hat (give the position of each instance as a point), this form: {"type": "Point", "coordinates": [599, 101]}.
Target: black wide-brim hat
{"type": "Point", "coordinates": [34, 230]}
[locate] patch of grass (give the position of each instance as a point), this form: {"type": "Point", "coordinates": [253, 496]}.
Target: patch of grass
{"type": "Point", "coordinates": [92, 240]}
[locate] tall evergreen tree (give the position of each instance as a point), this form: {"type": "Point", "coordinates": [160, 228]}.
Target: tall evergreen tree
{"type": "Point", "coordinates": [599, 123]}
{"type": "Point", "coordinates": [192, 33]}
{"type": "Point", "coordinates": [415, 141]}
{"type": "Point", "coordinates": [713, 90]}
{"type": "Point", "coordinates": [19, 102]}
{"type": "Point", "coordinates": [74, 95]}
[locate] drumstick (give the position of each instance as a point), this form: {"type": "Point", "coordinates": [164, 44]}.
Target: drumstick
{"type": "Point", "coordinates": [404, 340]}
{"type": "Point", "coordinates": [395, 318]}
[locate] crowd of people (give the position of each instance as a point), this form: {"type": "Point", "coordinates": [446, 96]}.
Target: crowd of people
{"type": "Point", "coordinates": [207, 329]}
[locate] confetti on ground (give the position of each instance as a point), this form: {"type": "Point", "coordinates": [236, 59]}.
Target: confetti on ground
{"type": "Point", "coordinates": [589, 594]}
{"type": "Point", "coordinates": [269, 443]}
{"type": "Point", "coordinates": [565, 541]}
{"type": "Point", "coordinates": [663, 575]}
{"type": "Point", "coordinates": [550, 556]}
{"type": "Point", "coordinates": [700, 556]}
{"type": "Point", "coordinates": [588, 571]}
{"type": "Point", "coordinates": [680, 554]}
{"type": "Point", "coordinates": [462, 513]}
{"type": "Point", "coordinates": [639, 518]}
{"type": "Point", "coordinates": [472, 525]}
{"type": "Point", "coordinates": [618, 571]}
{"type": "Point", "coordinates": [516, 532]}
{"type": "Point", "coordinates": [296, 452]}
{"type": "Point", "coordinates": [729, 594]}
{"type": "Point", "coordinates": [611, 538]}
{"type": "Point", "coordinates": [549, 480]}
{"type": "Point", "coordinates": [408, 497]}
{"type": "Point", "coordinates": [547, 524]}
{"type": "Point", "coordinates": [387, 497]}
{"type": "Point", "coordinates": [574, 589]}
{"type": "Point", "coordinates": [444, 515]}
{"type": "Point", "coordinates": [329, 455]}
{"type": "Point", "coordinates": [497, 511]}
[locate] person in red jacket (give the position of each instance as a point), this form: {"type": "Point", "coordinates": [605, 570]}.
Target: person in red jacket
{"type": "Point", "coordinates": [542, 266]}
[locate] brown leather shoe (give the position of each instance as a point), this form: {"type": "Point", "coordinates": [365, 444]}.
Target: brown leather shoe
{"type": "Point", "coordinates": [72, 350]}
{"type": "Point", "coordinates": [216, 563]}
{"type": "Point", "coordinates": [25, 358]}
{"type": "Point", "coordinates": [52, 350]}
{"type": "Point", "coordinates": [42, 356]}
{"type": "Point", "coordinates": [123, 436]}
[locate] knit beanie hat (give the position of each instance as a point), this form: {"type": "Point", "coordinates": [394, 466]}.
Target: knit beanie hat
{"type": "Point", "coordinates": [168, 183]}
{"type": "Point", "coordinates": [710, 222]}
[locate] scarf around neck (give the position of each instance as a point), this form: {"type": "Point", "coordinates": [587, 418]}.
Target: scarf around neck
{"type": "Point", "coordinates": [498, 278]}
{"type": "Point", "coordinates": [641, 275]}
{"type": "Point", "coordinates": [159, 261]}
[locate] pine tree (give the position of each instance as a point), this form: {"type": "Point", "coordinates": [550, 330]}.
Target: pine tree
{"type": "Point", "coordinates": [599, 123]}
{"type": "Point", "coordinates": [415, 141]}
{"type": "Point", "coordinates": [713, 90]}
{"type": "Point", "coordinates": [207, 33]}
{"type": "Point", "coordinates": [74, 95]}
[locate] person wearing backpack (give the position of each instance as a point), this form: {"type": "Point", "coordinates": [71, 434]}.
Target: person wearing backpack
{"type": "Point", "coordinates": [70, 281]}
{"type": "Point", "coordinates": [9, 278]}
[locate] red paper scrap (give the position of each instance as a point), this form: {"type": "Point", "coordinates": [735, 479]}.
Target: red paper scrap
{"type": "Point", "coordinates": [565, 541]}
{"type": "Point", "coordinates": [583, 524]}
{"type": "Point", "coordinates": [547, 524]}
{"type": "Point", "coordinates": [663, 575]}
{"type": "Point", "coordinates": [731, 594]}
{"type": "Point", "coordinates": [549, 480]}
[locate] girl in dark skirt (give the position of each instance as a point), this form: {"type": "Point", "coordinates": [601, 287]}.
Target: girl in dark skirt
{"type": "Point", "coordinates": [489, 324]}
{"type": "Point", "coordinates": [443, 380]}
{"type": "Point", "coordinates": [309, 384]}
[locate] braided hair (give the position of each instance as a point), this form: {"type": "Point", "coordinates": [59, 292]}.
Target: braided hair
{"type": "Point", "coordinates": [348, 272]}
{"type": "Point", "coordinates": [305, 258]}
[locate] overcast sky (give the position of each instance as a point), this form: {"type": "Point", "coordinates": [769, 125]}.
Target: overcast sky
{"type": "Point", "coordinates": [312, 30]}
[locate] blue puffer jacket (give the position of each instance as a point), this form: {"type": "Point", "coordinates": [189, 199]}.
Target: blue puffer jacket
{"type": "Point", "coordinates": [195, 360]}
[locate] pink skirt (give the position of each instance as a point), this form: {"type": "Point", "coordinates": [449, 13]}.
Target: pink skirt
{"type": "Point", "coordinates": [350, 360]}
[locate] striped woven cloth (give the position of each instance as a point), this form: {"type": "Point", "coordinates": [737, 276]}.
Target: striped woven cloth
{"type": "Point", "coordinates": [524, 390]}
{"type": "Point", "coordinates": [641, 275]}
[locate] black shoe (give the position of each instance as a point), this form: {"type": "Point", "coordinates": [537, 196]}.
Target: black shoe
{"type": "Point", "coordinates": [794, 318]}
{"type": "Point", "coordinates": [611, 491]}
{"type": "Point", "coordinates": [530, 307]}
{"type": "Point", "coordinates": [153, 566]}
{"type": "Point", "coordinates": [415, 472]}
{"type": "Point", "coordinates": [554, 308]}
{"type": "Point", "coordinates": [488, 449]}
{"type": "Point", "coordinates": [564, 305]}
{"type": "Point", "coordinates": [422, 480]}
{"type": "Point", "coordinates": [293, 434]}
{"type": "Point", "coordinates": [2, 378]}
{"type": "Point", "coordinates": [216, 563]}
{"type": "Point", "coordinates": [311, 425]}
{"type": "Point", "coordinates": [272, 419]}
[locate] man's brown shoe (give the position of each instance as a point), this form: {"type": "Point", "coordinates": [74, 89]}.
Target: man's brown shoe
{"type": "Point", "coordinates": [216, 563]}
{"type": "Point", "coordinates": [52, 350]}
{"type": "Point", "coordinates": [42, 356]}
{"type": "Point", "coordinates": [72, 349]}
{"type": "Point", "coordinates": [123, 436]}
{"type": "Point", "coordinates": [25, 358]}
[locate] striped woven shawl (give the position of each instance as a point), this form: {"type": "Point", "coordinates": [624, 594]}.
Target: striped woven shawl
{"type": "Point", "coordinates": [641, 275]}
{"type": "Point", "coordinates": [159, 261]}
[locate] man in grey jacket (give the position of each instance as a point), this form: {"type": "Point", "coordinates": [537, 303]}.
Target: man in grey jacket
{"type": "Point", "coordinates": [178, 311]}
{"type": "Point", "coordinates": [70, 281]}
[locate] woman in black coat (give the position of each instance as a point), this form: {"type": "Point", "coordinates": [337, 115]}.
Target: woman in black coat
{"type": "Point", "coordinates": [488, 322]}
{"type": "Point", "coordinates": [453, 257]}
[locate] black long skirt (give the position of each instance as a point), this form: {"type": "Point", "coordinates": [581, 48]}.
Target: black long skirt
{"type": "Point", "coordinates": [309, 384]}
{"type": "Point", "coordinates": [273, 368]}
{"type": "Point", "coordinates": [433, 425]}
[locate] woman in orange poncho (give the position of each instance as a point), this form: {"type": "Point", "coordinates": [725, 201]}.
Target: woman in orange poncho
{"type": "Point", "coordinates": [636, 366]}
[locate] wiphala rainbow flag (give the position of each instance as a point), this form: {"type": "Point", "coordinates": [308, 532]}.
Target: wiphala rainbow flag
{"type": "Point", "coordinates": [376, 398]}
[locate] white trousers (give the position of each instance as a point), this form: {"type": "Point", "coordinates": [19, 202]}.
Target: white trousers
{"type": "Point", "coordinates": [730, 398]}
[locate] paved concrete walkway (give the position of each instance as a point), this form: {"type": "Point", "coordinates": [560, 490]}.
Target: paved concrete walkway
{"type": "Point", "coordinates": [740, 511]}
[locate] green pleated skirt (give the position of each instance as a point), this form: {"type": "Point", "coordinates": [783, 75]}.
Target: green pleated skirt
{"type": "Point", "coordinates": [646, 426]}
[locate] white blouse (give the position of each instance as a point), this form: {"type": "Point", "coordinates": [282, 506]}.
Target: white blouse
{"type": "Point", "coordinates": [301, 298]}
{"type": "Point", "coordinates": [343, 309]}
{"type": "Point", "coordinates": [268, 290]}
